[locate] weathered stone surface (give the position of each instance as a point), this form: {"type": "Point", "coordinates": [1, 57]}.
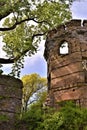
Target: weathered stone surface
{"type": "Point", "coordinates": [75, 93]}
{"type": "Point", "coordinates": [65, 71]}
{"type": "Point", "coordinates": [10, 101]}
{"type": "Point", "coordinates": [6, 125]}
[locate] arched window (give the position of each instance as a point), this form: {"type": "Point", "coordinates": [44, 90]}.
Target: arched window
{"type": "Point", "coordinates": [64, 48]}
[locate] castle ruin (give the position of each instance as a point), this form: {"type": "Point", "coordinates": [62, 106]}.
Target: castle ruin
{"type": "Point", "coordinates": [10, 101]}
{"type": "Point", "coordinates": [66, 56]}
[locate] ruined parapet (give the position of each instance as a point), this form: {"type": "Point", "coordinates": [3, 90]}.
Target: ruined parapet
{"type": "Point", "coordinates": [67, 71]}
{"type": "Point", "coordinates": [10, 101]}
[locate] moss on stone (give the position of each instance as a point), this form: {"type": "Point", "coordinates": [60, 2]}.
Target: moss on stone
{"type": "Point", "coordinates": [3, 117]}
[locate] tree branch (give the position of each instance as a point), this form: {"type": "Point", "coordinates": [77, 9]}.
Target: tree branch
{"type": "Point", "coordinates": [34, 100]}
{"type": "Point", "coordinates": [38, 34]}
{"type": "Point", "coordinates": [6, 61]}
{"type": "Point", "coordinates": [10, 61]}
{"type": "Point", "coordinates": [17, 23]}
{"type": "Point", "coordinates": [5, 14]}
{"type": "Point", "coordinates": [43, 21]}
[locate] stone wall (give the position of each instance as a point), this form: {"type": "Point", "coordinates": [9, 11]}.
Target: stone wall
{"type": "Point", "coordinates": [67, 73]}
{"type": "Point", "coordinates": [10, 101]}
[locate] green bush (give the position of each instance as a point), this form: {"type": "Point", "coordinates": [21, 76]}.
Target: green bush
{"type": "Point", "coordinates": [70, 117]}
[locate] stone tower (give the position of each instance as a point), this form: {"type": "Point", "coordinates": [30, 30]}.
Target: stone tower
{"type": "Point", "coordinates": [10, 101]}
{"type": "Point", "coordinates": [66, 56]}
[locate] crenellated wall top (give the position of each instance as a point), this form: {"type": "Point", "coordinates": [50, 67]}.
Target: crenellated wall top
{"type": "Point", "coordinates": [75, 27]}
{"type": "Point", "coordinates": [74, 23]}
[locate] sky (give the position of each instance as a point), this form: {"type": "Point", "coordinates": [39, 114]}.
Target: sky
{"type": "Point", "coordinates": [37, 63]}
{"type": "Point", "coordinates": [79, 9]}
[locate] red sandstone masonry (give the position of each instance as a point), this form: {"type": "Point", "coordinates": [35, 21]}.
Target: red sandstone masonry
{"type": "Point", "coordinates": [66, 71]}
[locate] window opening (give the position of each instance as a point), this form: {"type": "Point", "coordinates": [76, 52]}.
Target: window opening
{"type": "Point", "coordinates": [49, 76]}
{"type": "Point", "coordinates": [64, 48]}
{"type": "Point", "coordinates": [84, 65]}
{"type": "Point", "coordinates": [49, 81]}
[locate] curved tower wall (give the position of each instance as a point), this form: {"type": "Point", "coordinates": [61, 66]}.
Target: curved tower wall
{"type": "Point", "coordinates": [10, 101]}
{"type": "Point", "coordinates": [67, 73]}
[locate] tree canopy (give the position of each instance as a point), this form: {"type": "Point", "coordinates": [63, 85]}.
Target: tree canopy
{"type": "Point", "coordinates": [33, 84]}
{"type": "Point", "coordinates": [23, 22]}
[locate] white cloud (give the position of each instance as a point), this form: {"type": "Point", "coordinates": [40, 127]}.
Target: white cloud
{"type": "Point", "coordinates": [35, 63]}
{"type": "Point", "coordinates": [79, 9]}
{"type": "Point", "coordinates": [35, 57]}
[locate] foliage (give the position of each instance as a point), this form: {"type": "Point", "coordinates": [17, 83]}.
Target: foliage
{"type": "Point", "coordinates": [70, 117]}
{"type": "Point", "coordinates": [31, 118]}
{"type": "Point", "coordinates": [33, 85]}
{"type": "Point", "coordinates": [25, 21]}
{"type": "Point", "coordinates": [75, 118]}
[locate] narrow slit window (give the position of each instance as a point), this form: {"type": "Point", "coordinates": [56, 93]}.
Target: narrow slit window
{"type": "Point", "coordinates": [84, 65]}
{"type": "Point", "coordinates": [64, 48]}
{"type": "Point", "coordinates": [49, 81]}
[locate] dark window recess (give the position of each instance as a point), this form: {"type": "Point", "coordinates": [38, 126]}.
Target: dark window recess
{"type": "Point", "coordinates": [49, 81]}
{"type": "Point", "coordinates": [64, 48]}
{"type": "Point", "coordinates": [85, 75]}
